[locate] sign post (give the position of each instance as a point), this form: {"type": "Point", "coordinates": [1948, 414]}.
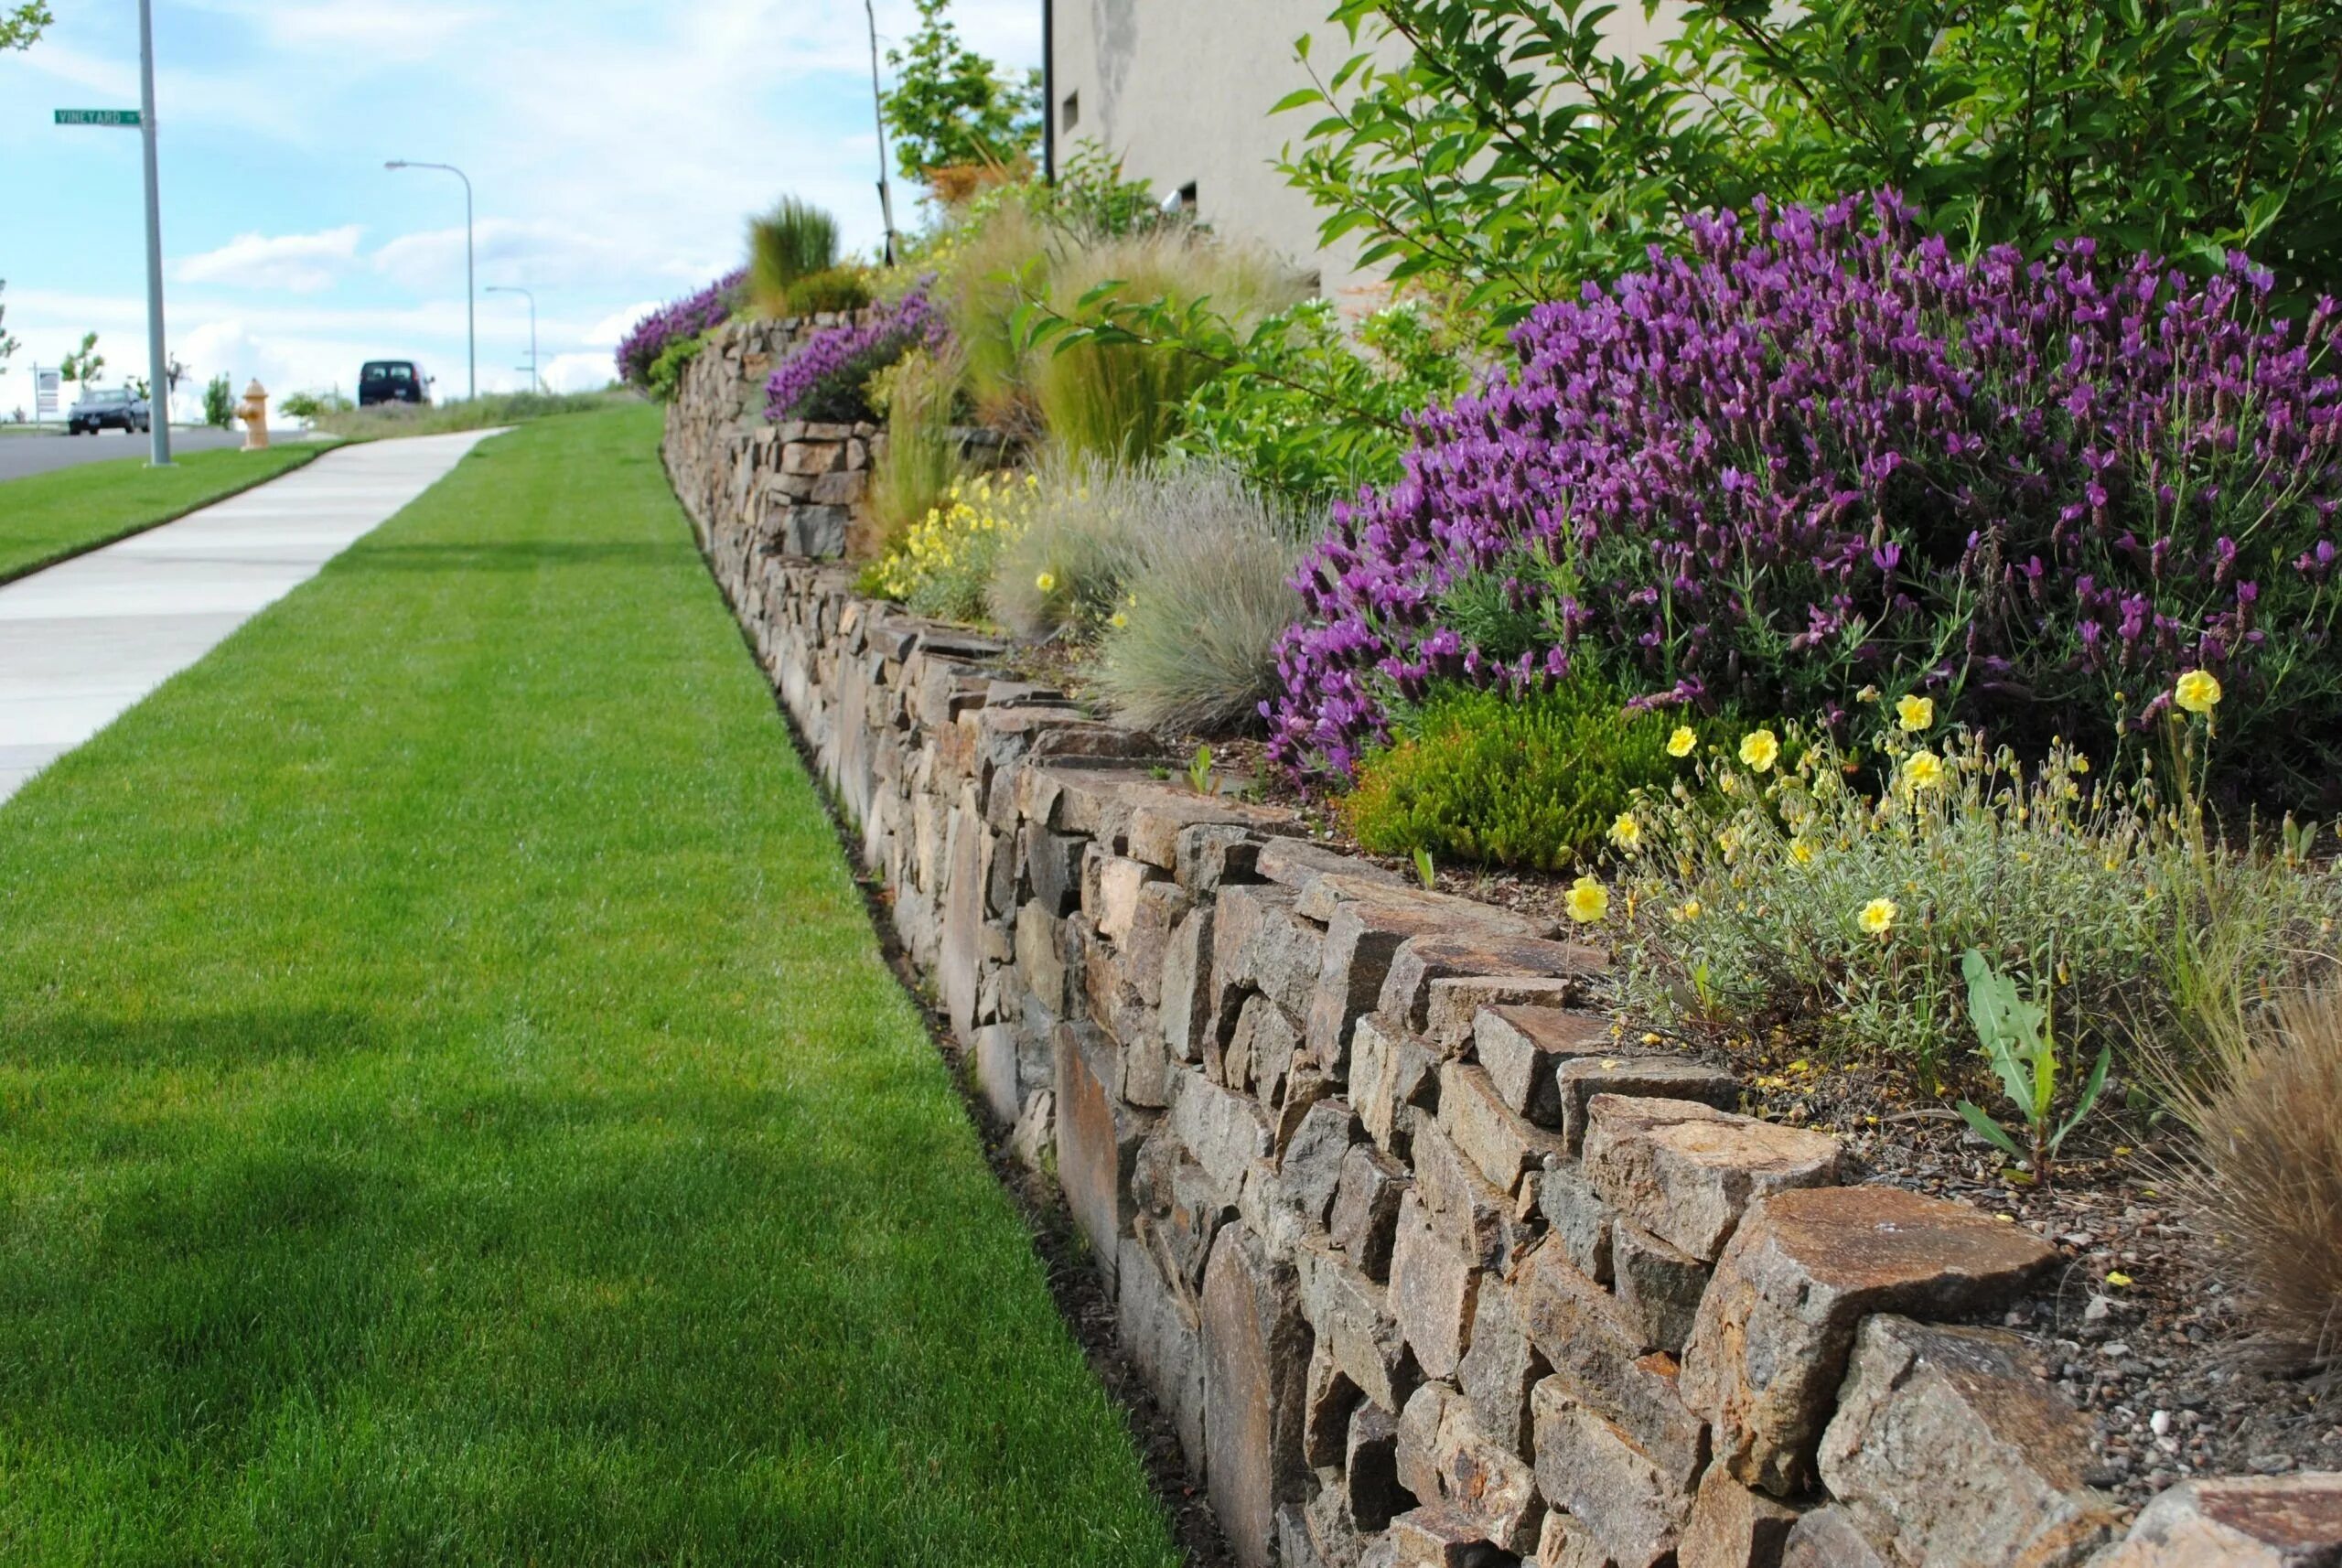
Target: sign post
{"type": "Point", "coordinates": [142, 120]}
{"type": "Point", "coordinates": [46, 385]}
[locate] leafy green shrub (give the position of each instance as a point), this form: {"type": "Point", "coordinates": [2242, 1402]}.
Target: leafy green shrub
{"type": "Point", "coordinates": [950, 107]}
{"type": "Point", "coordinates": [666, 374]}
{"type": "Point", "coordinates": [1536, 780]}
{"type": "Point", "coordinates": [839, 289]}
{"type": "Point", "coordinates": [218, 402]}
{"type": "Point", "coordinates": [792, 242]}
{"type": "Point", "coordinates": [1516, 150]}
{"type": "Point", "coordinates": [1788, 894]}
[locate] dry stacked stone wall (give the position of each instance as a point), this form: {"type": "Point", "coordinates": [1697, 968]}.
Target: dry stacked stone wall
{"type": "Point", "coordinates": [1428, 1265]}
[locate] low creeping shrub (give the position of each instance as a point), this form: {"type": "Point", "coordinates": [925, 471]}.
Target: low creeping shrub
{"type": "Point", "coordinates": [1538, 781]}
{"type": "Point", "coordinates": [944, 566]}
{"type": "Point", "coordinates": [1769, 886]}
{"type": "Point", "coordinates": [1820, 455]}
{"type": "Point", "coordinates": [833, 290]}
{"type": "Point", "coordinates": [666, 373]}
{"type": "Point", "coordinates": [685, 318]}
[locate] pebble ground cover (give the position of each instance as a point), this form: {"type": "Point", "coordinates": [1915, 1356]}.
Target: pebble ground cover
{"type": "Point", "coordinates": [452, 1109]}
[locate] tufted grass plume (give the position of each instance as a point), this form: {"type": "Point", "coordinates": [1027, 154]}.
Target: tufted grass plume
{"type": "Point", "coordinates": [794, 241]}
{"type": "Point", "coordinates": [915, 467]}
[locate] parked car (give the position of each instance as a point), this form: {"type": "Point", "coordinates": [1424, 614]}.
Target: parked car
{"type": "Point", "coordinates": [109, 408]}
{"type": "Point", "coordinates": [391, 381]}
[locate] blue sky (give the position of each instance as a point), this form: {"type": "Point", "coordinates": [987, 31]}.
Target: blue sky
{"type": "Point", "coordinates": [616, 149]}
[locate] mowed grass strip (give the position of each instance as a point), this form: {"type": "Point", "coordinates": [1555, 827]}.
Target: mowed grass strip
{"type": "Point", "coordinates": [47, 518]}
{"type": "Point", "coordinates": [452, 1109]}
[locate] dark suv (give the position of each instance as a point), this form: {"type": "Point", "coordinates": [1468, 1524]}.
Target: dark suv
{"type": "Point", "coordinates": [109, 408]}
{"type": "Point", "coordinates": [391, 381]}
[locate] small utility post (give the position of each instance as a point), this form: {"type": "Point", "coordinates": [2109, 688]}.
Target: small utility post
{"type": "Point", "coordinates": [158, 431]}
{"type": "Point", "coordinates": [536, 380]}
{"type": "Point", "coordinates": [878, 107]}
{"type": "Point", "coordinates": [471, 320]}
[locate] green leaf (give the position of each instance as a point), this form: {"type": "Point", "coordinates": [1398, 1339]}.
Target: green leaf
{"type": "Point", "coordinates": [1989, 1130]}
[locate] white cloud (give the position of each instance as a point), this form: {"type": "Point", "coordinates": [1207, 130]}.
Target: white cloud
{"type": "Point", "coordinates": [298, 264]}
{"type": "Point", "coordinates": [386, 31]}
{"type": "Point", "coordinates": [578, 372]}
{"type": "Point", "coordinates": [607, 332]}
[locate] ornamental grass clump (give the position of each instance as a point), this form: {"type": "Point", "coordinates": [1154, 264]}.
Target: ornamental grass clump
{"type": "Point", "coordinates": [1822, 454]}
{"type": "Point", "coordinates": [684, 318]}
{"type": "Point", "coordinates": [828, 379]}
{"type": "Point", "coordinates": [794, 241]}
{"type": "Point", "coordinates": [1794, 881]}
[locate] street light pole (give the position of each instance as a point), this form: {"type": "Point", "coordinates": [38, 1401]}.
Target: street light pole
{"type": "Point", "coordinates": [158, 431]}
{"type": "Point", "coordinates": [471, 322]}
{"type": "Point", "coordinates": [535, 378]}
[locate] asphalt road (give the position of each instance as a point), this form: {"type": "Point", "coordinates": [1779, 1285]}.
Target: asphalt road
{"type": "Point", "coordinates": [22, 454]}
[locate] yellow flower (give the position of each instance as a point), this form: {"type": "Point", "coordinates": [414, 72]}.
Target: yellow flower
{"type": "Point", "coordinates": [1588, 901]}
{"type": "Point", "coordinates": [1627, 833]}
{"type": "Point", "coordinates": [1867, 694]}
{"type": "Point", "coordinates": [2117, 1278]}
{"type": "Point", "coordinates": [1119, 620]}
{"type": "Point", "coordinates": [1680, 742]}
{"type": "Point", "coordinates": [2199, 692]}
{"type": "Point", "coordinates": [1759, 748]}
{"type": "Point", "coordinates": [1877, 917]}
{"type": "Point", "coordinates": [1801, 852]}
{"type": "Point", "coordinates": [1924, 770]}
{"type": "Point", "coordinates": [1916, 713]}
{"type": "Point", "coordinates": [2080, 763]}
{"type": "Point", "coordinates": [1046, 582]}
{"type": "Point", "coordinates": [1685, 912]}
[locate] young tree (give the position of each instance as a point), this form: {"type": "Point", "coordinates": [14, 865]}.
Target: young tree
{"type": "Point", "coordinates": [84, 364]}
{"type": "Point", "coordinates": [7, 344]}
{"type": "Point", "coordinates": [218, 402]}
{"type": "Point", "coordinates": [22, 24]}
{"type": "Point", "coordinates": [951, 107]}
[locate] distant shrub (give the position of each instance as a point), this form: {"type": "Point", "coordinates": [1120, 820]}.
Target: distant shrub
{"type": "Point", "coordinates": [1535, 781]}
{"type": "Point", "coordinates": [685, 318]}
{"type": "Point", "coordinates": [1821, 454]}
{"type": "Point", "coordinates": [790, 244]}
{"type": "Point", "coordinates": [218, 402]}
{"type": "Point", "coordinates": [839, 290]}
{"type": "Point", "coordinates": [666, 375]}
{"type": "Point", "coordinates": [828, 378]}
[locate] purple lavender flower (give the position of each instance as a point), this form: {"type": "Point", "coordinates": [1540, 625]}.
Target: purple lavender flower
{"type": "Point", "coordinates": [1819, 453]}
{"type": "Point", "coordinates": [685, 318]}
{"type": "Point", "coordinates": [825, 379]}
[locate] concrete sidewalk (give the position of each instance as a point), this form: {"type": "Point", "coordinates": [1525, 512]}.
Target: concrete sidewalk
{"type": "Point", "coordinates": [84, 639]}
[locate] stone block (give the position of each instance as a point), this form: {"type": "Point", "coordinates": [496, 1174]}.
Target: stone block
{"type": "Point", "coordinates": [1828, 1538]}
{"type": "Point", "coordinates": [1255, 1354]}
{"type": "Point", "coordinates": [1119, 879]}
{"type": "Point", "coordinates": [1485, 1480]}
{"type": "Point", "coordinates": [1432, 1288]}
{"type": "Point", "coordinates": [840, 489]}
{"type": "Point", "coordinates": [1732, 1527]}
{"type": "Point", "coordinates": [1462, 1203]}
{"type": "Point", "coordinates": [1581, 1221]}
{"type": "Point", "coordinates": [996, 1073]}
{"type": "Point", "coordinates": [1407, 989]}
{"type": "Point", "coordinates": [812, 457]}
{"type": "Point", "coordinates": [1310, 1161]}
{"type": "Point", "coordinates": [1160, 1332]}
{"type": "Point", "coordinates": [1328, 1398]}
{"type": "Point", "coordinates": [1324, 890]}
{"type": "Point", "coordinates": [1566, 1543]}
{"type": "Point", "coordinates": [1370, 1491]}
{"type": "Point", "coordinates": [1949, 1444]}
{"type": "Point", "coordinates": [1686, 1171]}
{"type": "Point", "coordinates": [1365, 1216]}
{"type": "Point", "coordinates": [1053, 869]}
{"type": "Point", "coordinates": [1351, 1318]}
{"type": "Point", "coordinates": [1522, 1047]}
{"type": "Point", "coordinates": [1419, 1424]}
{"type": "Point", "coordinates": [1222, 1132]}
{"type": "Point", "coordinates": [1249, 921]}
{"type": "Point", "coordinates": [1294, 862]}
{"type": "Point", "coordinates": [1497, 1373]}
{"type": "Point", "coordinates": [1260, 1050]}
{"type": "Point", "coordinates": [1040, 955]}
{"type": "Point", "coordinates": [1770, 1342]}
{"type": "Point", "coordinates": [1212, 853]}
{"type": "Point", "coordinates": [1391, 1076]}
{"type": "Point", "coordinates": [1455, 1003]}
{"type": "Point", "coordinates": [2238, 1521]}
{"type": "Point", "coordinates": [1161, 907]}
{"type": "Point", "coordinates": [1659, 1287]}
{"type": "Point", "coordinates": [1589, 1467]}
{"type": "Point", "coordinates": [1599, 1361]}
{"type": "Point", "coordinates": [1440, 1537]}
{"type": "Point", "coordinates": [964, 918]}
{"type": "Point", "coordinates": [1159, 815]}
{"type": "Point", "coordinates": [1098, 1138]}
{"type": "Point", "coordinates": [1362, 939]}
{"type": "Point", "coordinates": [1187, 985]}
{"type": "Point", "coordinates": [1504, 1144]}
{"type": "Point", "coordinates": [1579, 1078]}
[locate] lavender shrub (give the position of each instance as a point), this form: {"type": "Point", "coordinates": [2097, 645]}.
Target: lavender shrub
{"type": "Point", "coordinates": [685, 318]}
{"type": "Point", "coordinates": [1820, 455]}
{"type": "Point", "coordinates": [825, 379]}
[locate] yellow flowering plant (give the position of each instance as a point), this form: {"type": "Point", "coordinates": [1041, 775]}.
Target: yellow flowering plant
{"type": "Point", "coordinates": [1836, 892]}
{"type": "Point", "coordinates": [945, 564]}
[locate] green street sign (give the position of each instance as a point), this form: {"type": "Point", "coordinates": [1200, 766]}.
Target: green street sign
{"type": "Point", "coordinates": [97, 117]}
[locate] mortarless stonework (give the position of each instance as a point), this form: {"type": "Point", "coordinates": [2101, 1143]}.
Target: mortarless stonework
{"type": "Point", "coordinates": [1426, 1265]}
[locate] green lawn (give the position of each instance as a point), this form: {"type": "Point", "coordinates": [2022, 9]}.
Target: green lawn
{"type": "Point", "coordinates": [44, 518]}
{"type": "Point", "coordinates": [452, 1109]}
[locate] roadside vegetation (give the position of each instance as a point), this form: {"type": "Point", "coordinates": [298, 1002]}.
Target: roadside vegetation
{"type": "Point", "coordinates": [47, 517]}
{"type": "Point", "coordinates": [474, 1122]}
{"type": "Point", "coordinates": [389, 420]}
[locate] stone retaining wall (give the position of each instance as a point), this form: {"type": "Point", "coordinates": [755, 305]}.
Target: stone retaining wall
{"type": "Point", "coordinates": [1427, 1263]}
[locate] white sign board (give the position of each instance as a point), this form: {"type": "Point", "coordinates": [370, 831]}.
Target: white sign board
{"type": "Point", "coordinates": [45, 390]}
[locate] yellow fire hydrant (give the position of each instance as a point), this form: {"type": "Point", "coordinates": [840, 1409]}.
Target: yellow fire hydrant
{"type": "Point", "coordinates": [253, 411]}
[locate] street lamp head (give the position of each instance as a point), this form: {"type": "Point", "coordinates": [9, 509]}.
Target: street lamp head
{"type": "Point", "coordinates": [395, 163]}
